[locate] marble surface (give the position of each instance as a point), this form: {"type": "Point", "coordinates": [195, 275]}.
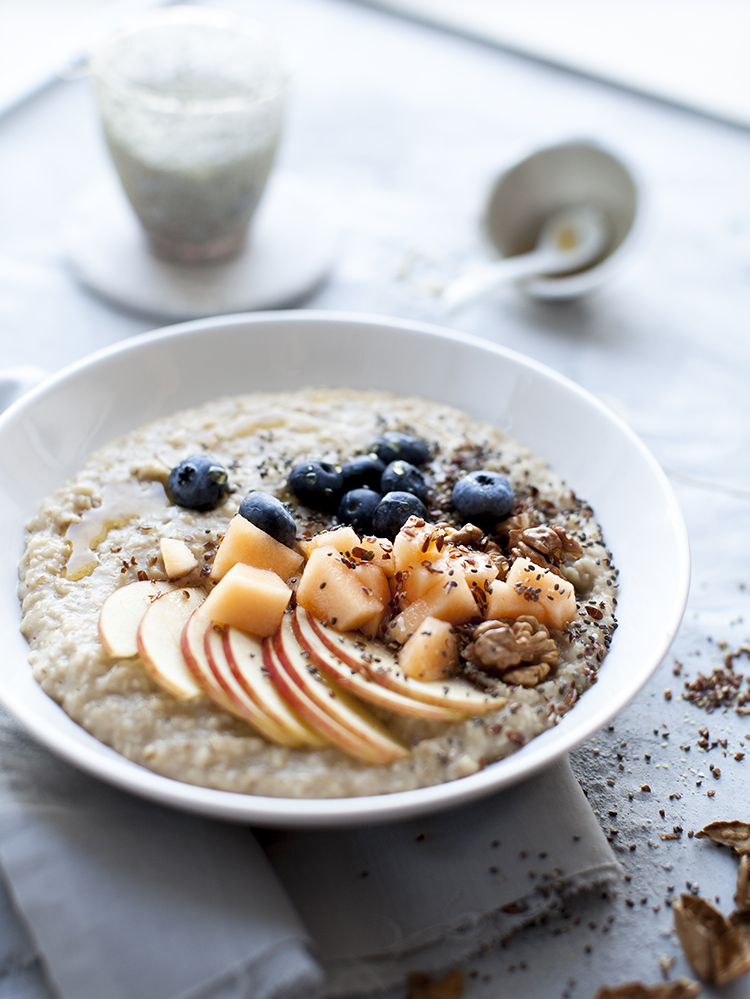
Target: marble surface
{"type": "Point", "coordinates": [400, 129]}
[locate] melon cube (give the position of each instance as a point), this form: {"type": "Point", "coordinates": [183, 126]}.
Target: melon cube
{"type": "Point", "coordinates": [450, 600]}
{"type": "Point", "coordinates": [371, 628]}
{"type": "Point", "coordinates": [431, 653]}
{"type": "Point", "coordinates": [418, 579]}
{"type": "Point", "coordinates": [343, 540]}
{"type": "Point", "coordinates": [248, 598]}
{"type": "Point", "coordinates": [177, 557]}
{"type": "Point", "coordinates": [530, 589]}
{"type": "Point", "coordinates": [245, 543]}
{"type": "Point", "coordinates": [345, 594]}
{"type": "Point", "coordinates": [414, 544]}
{"type": "Point", "coordinates": [376, 551]}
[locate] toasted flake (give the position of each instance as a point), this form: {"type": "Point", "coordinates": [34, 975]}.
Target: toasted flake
{"type": "Point", "coordinates": [734, 834]}
{"type": "Point", "coordinates": [717, 948]}
{"type": "Point", "coordinates": [680, 988]}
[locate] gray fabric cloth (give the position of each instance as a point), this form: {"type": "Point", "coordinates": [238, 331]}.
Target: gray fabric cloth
{"type": "Point", "coordinates": [426, 894]}
{"type": "Point", "coordinates": [127, 900]}
{"type": "Point", "coordinates": [121, 898]}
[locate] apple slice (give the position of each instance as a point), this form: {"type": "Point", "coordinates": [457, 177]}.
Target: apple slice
{"type": "Point", "coordinates": [159, 641]}
{"type": "Point", "coordinates": [327, 708]}
{"type": "Point", "coordinates": [243, 706]}
{"type": "Point", "coordinates": [358, 682]}
{"type": "Point", "coordinates": [193, 646]}
{"type": "Point", "coordinates": [244, 653]}
{"type": "Point", "coordinates": [122, 613]}
{"type": "Point", "coordinates": [380, 665]}
{"type": "Point", "coordinates": [177, 557]}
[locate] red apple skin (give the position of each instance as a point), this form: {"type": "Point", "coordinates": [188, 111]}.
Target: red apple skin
{"type": "Point", "coordinates": [244, 707]}
{"type": "Point", "coordinates": [256, 684]}
{"type": "Point", "coordinates": [293, 686]}
{"type": "Point", "coordinates": [382, 667]}
{"type": "Point", "coordinates": [357, 682]}
{"type": "Point", "coordinates": [193, 649]}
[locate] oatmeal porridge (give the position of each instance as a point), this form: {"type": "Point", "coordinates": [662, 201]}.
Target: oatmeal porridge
{"type": "Point", "coordinates": [320, 593]}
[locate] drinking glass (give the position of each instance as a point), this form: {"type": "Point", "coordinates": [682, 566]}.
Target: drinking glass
{"type": "Point", "coordinates": [192, 103]}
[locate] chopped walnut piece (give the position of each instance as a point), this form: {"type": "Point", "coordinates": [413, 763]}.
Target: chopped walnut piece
{"type": "Point", "coordinates": [680, 988]}
{"type": "Point", "coordinates": [499, 646]}
{"type": "Point", "coordinates": [734, 834]}
{"type": "Point", "coordinates": [470, 538]}
{"type": "Point", "coordinates": [548, 546]}
{"type": "Point", "coordinates": [469, 535]}
{"type": "Point", "coordinates": [718, 948]}
{"type": "Point", "coordinates": [421, 986]}
{"type": "Point", "coordinates": [527, 676]}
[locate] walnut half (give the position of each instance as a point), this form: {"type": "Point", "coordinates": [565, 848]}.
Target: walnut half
{"type": "Point", "coordinates": [519, 652]}
{"type": "Point", "coordinates": [545, 545]}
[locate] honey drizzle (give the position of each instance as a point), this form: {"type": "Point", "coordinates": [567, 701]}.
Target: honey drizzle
{"type": "Point", "coordinates": [121, 503]}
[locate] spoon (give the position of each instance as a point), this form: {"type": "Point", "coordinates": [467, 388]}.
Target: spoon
{"type": "Point", "coordinates": [570, 239]}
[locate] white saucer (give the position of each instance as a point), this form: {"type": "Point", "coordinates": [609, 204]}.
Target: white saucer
{"type": "Point", "coordinates": [290, 250]}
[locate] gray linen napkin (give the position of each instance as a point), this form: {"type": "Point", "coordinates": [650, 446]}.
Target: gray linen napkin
{"type": "Point", "coordinates": [427, 894]}
{"type": "Point", "coordinates": [129, 900]}
{"type": "Point", "coordinates": [124, 899]}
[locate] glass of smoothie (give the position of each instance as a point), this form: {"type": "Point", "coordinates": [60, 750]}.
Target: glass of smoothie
{"type": "Point", "coordinates": [192, 103]}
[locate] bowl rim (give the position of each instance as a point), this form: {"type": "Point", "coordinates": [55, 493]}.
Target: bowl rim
{"type": "Point", "coordinates": [112, 768]}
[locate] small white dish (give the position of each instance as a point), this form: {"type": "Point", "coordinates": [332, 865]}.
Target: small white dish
{"type": "Point", "coordinates": [46, 436]}
{"type": "Point", "coordinates": [565, 175]}
{"type": "Point", "coordinates": [290, 250]}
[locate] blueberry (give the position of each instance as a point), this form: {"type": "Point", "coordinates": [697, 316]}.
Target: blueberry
{"type": "Point", "coordinates": [393, 511]}
{"type": "Point", "coordinates": [270, 515]}
{"type": "Point", "coordinates": [357, 508]}
{"type": "Point", "coordinates": [402, 477]}
{"type": "Point", "coordinates": [197, 483]}
{"type": "Point", "coordinates": [483, 496]}
{"type": "Point", "coordinates": [393, 445]}
{"type": "Point", "coordinates": [317, 484]}
{"type": "Point", "coordinates": [363, 472]}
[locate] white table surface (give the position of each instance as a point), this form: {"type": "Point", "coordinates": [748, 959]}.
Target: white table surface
{"type": "Point", "coordinates": [400, 127]}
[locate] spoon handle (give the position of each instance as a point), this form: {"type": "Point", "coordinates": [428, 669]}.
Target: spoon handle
{"type": "Point", "coordinates": [480, 282]}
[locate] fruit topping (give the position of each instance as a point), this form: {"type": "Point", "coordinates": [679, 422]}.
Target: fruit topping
{"type": "Point", "coordinates": [244, 542]}
{"type": "Point", "coordinates": [431, 653]}
{"type": "Point", "coordinates": [317, 484]}
{"type": "Point", "coordinates": [378, 662]}
{"type": "Point", "coordinates": [394, 510]}
{"type": "Point", "coordinates": [177, 557]}
{"type": "Point", "coordinates": [356, 680]}
{"type": "Point", "coordinates": [159, 635]}
{"type": "Point", "coordinates": [323, 705]}
{"type": "Point", "coordinates": [122, 613]}
{"type": "Point", "coordinates": [335, 588]}
{"type": "Point", "coordinates": [483, 495]}
{"type": "Point", "coordinates": [248, 598]}
{"type": "Point", "coordinates": [343, 540]}
{"type": "Point", "coordinates": [198, 483]}
{"type": "Point", "coordinates": [363, 472]}
{"type": "Point", "coordinates": [270, 515]}
{"type": "Point", "coordinates": [530, 589]}
{"type": "Point", "coordinates": [357, 509]}
{"type": "Point", "coordinates": [401, 476]}
{"type": "Point", "coordinates": [395, 446]}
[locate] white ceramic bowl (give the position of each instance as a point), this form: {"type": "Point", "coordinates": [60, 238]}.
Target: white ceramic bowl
{"type": "Point", "coordinates": [48, 434]}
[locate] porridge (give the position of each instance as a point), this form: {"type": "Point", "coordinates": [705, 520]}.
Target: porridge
{"type": "Point", "coordinates": [387, 594]}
